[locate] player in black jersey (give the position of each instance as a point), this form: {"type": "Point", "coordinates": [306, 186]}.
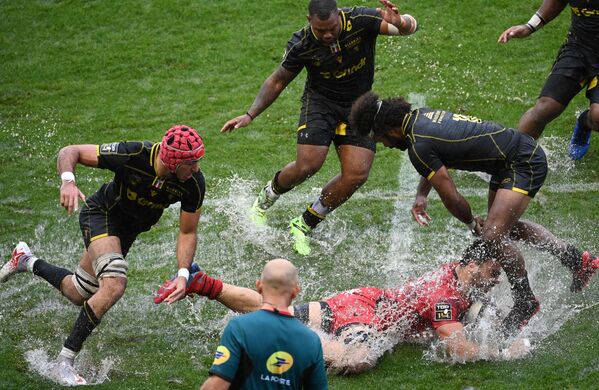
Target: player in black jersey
{"type": "Point", "coordinates": [148, 177]}
{"type": "Point", "coordinates": [576, 67]}
{"type": "Point", "coordinates": [337, 49]}
{"type": "Point", "coordinates": [437, 140]}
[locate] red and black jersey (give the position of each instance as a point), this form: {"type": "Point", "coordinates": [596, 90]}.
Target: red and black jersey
{"type": "Point", "coordinates": [136, 191]}
{"type": "Point", "coordinates": [341, 71]}
{"type": "Point", "coordinates": [585, 23]}
{"type": "Point", "coordinates": [428, 302]}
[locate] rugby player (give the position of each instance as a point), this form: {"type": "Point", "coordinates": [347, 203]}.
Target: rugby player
{"type": "Point", "coordinates": [576, 67]}
{"type": "Point", "coordinates": [437, 140]}
{"type": "Point", "coordinates": [358, 325]}
{"type": "Point", "coordinates": [148, 178]}
{"type": "Point", "coordinates": [337, 48]}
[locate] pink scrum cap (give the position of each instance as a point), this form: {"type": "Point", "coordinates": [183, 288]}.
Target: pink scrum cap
{"type": "Point", "coordinates": [180, 143]}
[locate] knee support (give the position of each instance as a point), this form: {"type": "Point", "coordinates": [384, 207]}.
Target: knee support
{"type": "Point", "coordinates": [85, 284]}
{"type": "Point", "coordinates": [110, 265]}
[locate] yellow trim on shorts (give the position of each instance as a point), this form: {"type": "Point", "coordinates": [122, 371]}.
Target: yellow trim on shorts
{"type": "Point", "coordinates": [341, 129]}
{"type": "Point", "coordinates": [302, 127]}
{"type": "Point", "coordinates": [430, 175]}
{"type": "Point", "coordinates": [592, 83]}
{"type": "Point", "coordinates": [520, 190]}
{"type": "Point", "coordinates": [98, 236]}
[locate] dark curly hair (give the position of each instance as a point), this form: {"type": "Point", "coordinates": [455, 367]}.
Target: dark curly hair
{"type": "Point", "coordinates": [479, 252]}
{"type": "Point", "coordinates": [366, 116]}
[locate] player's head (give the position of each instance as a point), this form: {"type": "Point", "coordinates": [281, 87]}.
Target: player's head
{"type": "Point", "coordinates": [180, 150]}
{"type": "Point", "coordinates": [279, 277]}
{"type": "Point", "coordinates": [323, 16]}
{"type": "Point", "coordinates": [483, 266]}
{"type": "Point", "coordinates": [380, 119]}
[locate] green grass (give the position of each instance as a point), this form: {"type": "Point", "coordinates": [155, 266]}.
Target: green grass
{"type": "Point", "coordinates": [100, 71]}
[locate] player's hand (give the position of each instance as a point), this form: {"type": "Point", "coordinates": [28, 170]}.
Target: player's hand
{"type": "Point", "coordinates": [419, 211]}
{"type": "Point", "coordinates": [236, 123]}
{"type": "Point", "coordinates": [520, 31]}
{"type": "Point", "coordinates": [164, 291]}
{"type": "Point", "coordinates": [390, 13]}
{"type": "Point", "coordinates": [69, 196]}
{"type": "Point", "coordinates": [178, 293]}
{"type": "Point", "coordinates": [478, 228]}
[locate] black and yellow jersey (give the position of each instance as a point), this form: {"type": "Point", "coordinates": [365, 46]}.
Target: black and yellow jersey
{"type": "Point", "coordinates": [341, 71]}
{"type": "Point", "coordinates": [439, 138]}
{"type": "Point", "coordinates": [136, 191]}
{"type": "Point", "coordinates": [585, 23]}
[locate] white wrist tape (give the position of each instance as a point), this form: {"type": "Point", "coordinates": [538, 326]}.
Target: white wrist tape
{"type": "Point", "coordinates": [67, 176]}
{"type": "Point", "coordinates": [536, 22]}
{"type": "Point", "coordinates": [183, 272]}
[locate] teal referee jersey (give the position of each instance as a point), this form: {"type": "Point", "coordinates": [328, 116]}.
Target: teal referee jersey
{"type": "Point", "coordinates": [269, 350]}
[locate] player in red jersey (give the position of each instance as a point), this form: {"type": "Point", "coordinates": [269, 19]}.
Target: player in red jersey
{"type": "Point", "coordinates": [358, 325]}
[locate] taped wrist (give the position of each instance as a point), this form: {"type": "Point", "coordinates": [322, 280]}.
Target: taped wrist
{"type": "Point", "coordinates": [536, 22]}
{"type": "Point", "coordinates": [205, 285]}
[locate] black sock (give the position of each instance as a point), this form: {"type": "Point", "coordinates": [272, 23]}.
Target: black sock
{"type": "Point", "coordinates": [311, 218]}
{"type": "Point", "coordinates": [84, 325]}
{"type": "Point", "coordinates": [521, 289]}
{"type": "Point", "coordinates": [571, 258]}
{"type": "Point", "coordinates": [582, 120]}
{"type": "Point", "coordinates": [276, 188]}
{"type": "Point", "coordinates": [51, 273]}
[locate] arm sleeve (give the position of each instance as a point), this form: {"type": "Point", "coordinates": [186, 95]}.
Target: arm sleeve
{"type": "Point", "coordinates": [228, 353]}
{"type": "Point", "coordinates": [114, 155]}
{"type": "Point", "coordinates": [291, 59]}
{"type": "Point", "coordinates": [369, 18]}
{"type": "Point", "coordinates": [195, 198]}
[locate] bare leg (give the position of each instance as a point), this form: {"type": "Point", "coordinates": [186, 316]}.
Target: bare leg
{"type": "Point", "coordinates": [593, 116]}
{"type": "Point", "coordinates": [534, 120]}
{"type": "Point", "coordinates": [355, 167]}
{"type": "Point", "coordinates": [309, 160]}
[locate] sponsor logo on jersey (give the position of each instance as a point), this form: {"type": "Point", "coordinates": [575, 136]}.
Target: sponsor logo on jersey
{"type": "Point", "coordinates": [221, 355]}
{"type": "Point", "coordinates": [443, 312]}
{"type": "Point", "coordinates": [354, 42]}
{"type": "Point", "coordinates": [339, 74]}
{"type": "Point", "coordinates": [134, 197]}
{"type": "Point", "coordinates": [275, 379]}
{"type": "Point", "coordinates": [585, 12]}
{"type": "Point", "coordinates": [109, 148]}
{"type": "Point", "coordinates": [279, 362]}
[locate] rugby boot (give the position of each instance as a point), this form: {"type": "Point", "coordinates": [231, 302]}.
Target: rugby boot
{"type": "Point", "coordinates": [263, 201]}
{"type": "Point", "coordinates": [21, 260]}
{"type": "Point", "coordinates": [584, 272]}
{"type": "Point", "coordinates": [300, 230]}
{"type": "Point", "coordinates": [580, 141]}
{"type": "Point", "coordinates": [520, 315]}
{"type": "Point", "coordinates": [168, 286]}
{"type": "Point", "coordinates": [65, 374]}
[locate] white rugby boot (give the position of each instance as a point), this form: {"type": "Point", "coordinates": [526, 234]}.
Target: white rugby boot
{"type": "Point", "coordinates": [21, 260]}
{"type": "Point", "coordinates": [65, 374]}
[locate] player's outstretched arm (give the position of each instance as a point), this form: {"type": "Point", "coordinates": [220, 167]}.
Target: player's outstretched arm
{"type": "Point", "coordinates": [68, 158]}
{"type": "Point", "coordinates": [546, 13]}
{"type": "Point", "coordinates": [269, 92]}
{"type": "Point", "coordinates": [395, 23]}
